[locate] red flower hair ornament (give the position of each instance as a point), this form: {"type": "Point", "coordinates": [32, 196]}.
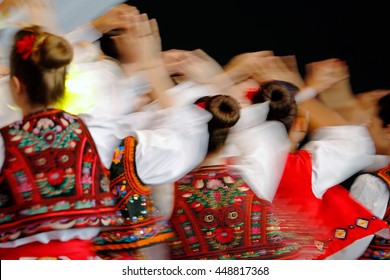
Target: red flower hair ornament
{"type": "Point", "coordinates": [251, 92]}
{"type": "Point", "coordinates": [24, 47]}
{"type": "Point", "coordinates": [201, 105]}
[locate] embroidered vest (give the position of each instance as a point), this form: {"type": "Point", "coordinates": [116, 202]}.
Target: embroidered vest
{"type": "Point", "coordinates": [52, 177]}
{"type": "Point", "coordinates": [217, 216]}
{"type": "Point", "coordinates": [322, 226]}
{"type": "Point", "coordinates": [379, 249]}
{"type": "Point", "coordinates": [297, 206]}
{"type": "Point", "coordinates": [139, 222]}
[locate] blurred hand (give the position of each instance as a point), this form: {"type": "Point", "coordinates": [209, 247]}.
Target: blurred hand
{"type": "Point", "coordinates": [274, 68]}
{"type": "Point", "coordinates": [118, 17]}
{"type": "Point", "coordinates": [140, 43]}
{"type": "Point", "coordinates": [324, 74]}
{"type": "Point", "coordinates": [369, 99]}
{"type": "Point", "coordinates": [148, 42]}
{"type": "Point", "coordinates": [246, 59]}
{"type": "Point", "coordinates": [174, 59]}
{"type": "Point", "coordinates": [242, 66]}
{"type": "Point", "coordinates": [200, 67]}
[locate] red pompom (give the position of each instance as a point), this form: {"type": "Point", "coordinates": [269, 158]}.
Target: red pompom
{"type": "Point", "coordinates": [251, 92]}
{"type": "Point", "coordinates": [201, 105]}
{"type": "Point", "coordinates": [24, 47]}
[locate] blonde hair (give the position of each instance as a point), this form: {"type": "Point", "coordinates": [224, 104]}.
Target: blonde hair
{"type": "Point", "coordinates": [39, 60]}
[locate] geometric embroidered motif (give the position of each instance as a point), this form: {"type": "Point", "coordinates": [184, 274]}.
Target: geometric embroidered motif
{"type": "Point", "coordinates": [319, 245]}
{"type": "Point", "coordinates": [363, 223]}
{"type": "Point", "coordinates": [340, 233]}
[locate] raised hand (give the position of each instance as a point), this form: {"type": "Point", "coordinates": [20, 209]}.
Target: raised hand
{"type": "Point", "coordinates": [246, 58]}
{"type": "Point", "coordinates": [274, 68]}
{"type": "Point", "coordinates": [148, 42]}
{"type": "Point", "coordinates": [173, 60]}
{"type": "Point", "coordinates": [322, 75]}
{"type": "Point", "coordinates": [242, 66]}
{"type": "Point", "coordinates": [369, 99]}
{"type": "Point", "coordinates": [140, 42]}
{"type": "Point", "coordinates": [141, 45]}
{"type": "Point", "coordinates": [34, 10]}
{"type": "Point", "coordinates": [118, 17]}
{"type": "Point", "coordinates": [200, 67]}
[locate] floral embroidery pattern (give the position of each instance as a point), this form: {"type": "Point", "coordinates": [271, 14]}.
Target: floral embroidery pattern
{"type": "Point", "coordinates": [213, 215]}
{"type": "Point", "coordinates": [139, 223]}
{"type": "Point", "coordinates": [44, 154]}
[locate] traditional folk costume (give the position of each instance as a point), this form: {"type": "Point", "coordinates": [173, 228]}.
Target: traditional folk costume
{"type": "Point", "coordinates": [323, 226]}
{"type": "Point", "coordinates": [139, 223]}
{"type": "Point", "coordinates": [332, 155]}
{"type": "Point", "coordinates": [183, 144]}
{"type": "Point", "coordinates": [371, 189]}
{"type": "Point", "coordinates": [54, 188]}
{"type": "Point", "coordinates": [218, 215]}
{"type": "Point", "coordinates": [379, 248]}
{"type": "Point", "coordinates": [143, 161]}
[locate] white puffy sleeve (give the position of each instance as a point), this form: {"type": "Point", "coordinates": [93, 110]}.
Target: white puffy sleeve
{"type": "Point", "coordinates": [170, 142]}
{"type": "Point", "coordinates": [259, 149]}
{"type": "Point", "coordinates": [108, 132]}
{"type": "Point", "coordinates": [176, 144]}
{"type": "Point", "coordinates": [188, 92]}
{"type": "Point", "coordinates": [372, 192]}
{"type": "Point", "coordinates": [337, 153]}
{"type": "Point", "coordinates": [264, 151]}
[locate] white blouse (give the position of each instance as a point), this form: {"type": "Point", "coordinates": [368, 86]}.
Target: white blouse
{"type": "Point", "coordinates": [337, 153]}
{"type": "Point", "coordinates": [165, 151]}
{"type": "Point", "coordinates": [170, 143]}
{"type": "Point", "coordinates": [260, 162]}
{"type": "Point", "coordinates": [259, 150]}
{"type": "Point", "coordinates": [372, 192]}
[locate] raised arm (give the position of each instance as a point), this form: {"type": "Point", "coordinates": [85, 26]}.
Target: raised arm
{"type": "Point", "coordinates": [141, 44]}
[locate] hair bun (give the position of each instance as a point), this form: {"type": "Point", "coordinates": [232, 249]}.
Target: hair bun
{"type": "Point", "coordinates": [281, 98]}
{"type": "Point", "coordinates": [280, 94]}
{"type": "Point", "coordinates": [225, 110]}
{"type": "Point", "coordinates": [53, 52]}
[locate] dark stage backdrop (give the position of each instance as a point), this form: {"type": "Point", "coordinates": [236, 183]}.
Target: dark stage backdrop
{"type": "Point", "coordinates": [310, 30]}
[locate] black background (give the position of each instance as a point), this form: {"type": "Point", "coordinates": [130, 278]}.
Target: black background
{"type": "Point", "coordinates": [311, 30]}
